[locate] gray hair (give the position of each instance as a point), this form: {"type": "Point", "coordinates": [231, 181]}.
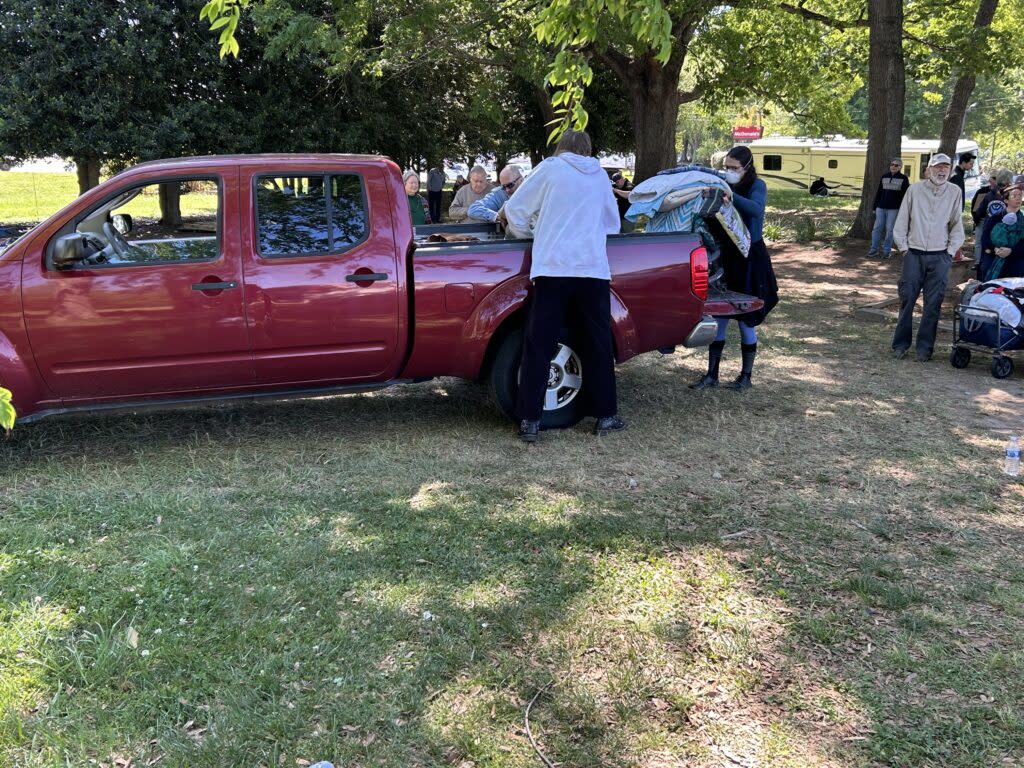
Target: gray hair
{"type": "Point", "coordinates": [518, 171]}
{"type": "Point", "coordinates": [410, 174]}
{"type": "Point", "coordinates": [577, 142]}
{"type": "Point", "coordinates": [478, 169]}
{"type": "Point", "coordinates": [1003, 177]}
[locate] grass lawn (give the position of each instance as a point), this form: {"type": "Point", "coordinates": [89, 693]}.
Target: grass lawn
{"type": "Point", "coordinates": [28, 198]}
{"type": "Point", "coordinates": [825, 571]}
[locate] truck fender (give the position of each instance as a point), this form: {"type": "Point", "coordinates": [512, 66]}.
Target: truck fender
{"type": "Point", "coordinates": [503, 306]}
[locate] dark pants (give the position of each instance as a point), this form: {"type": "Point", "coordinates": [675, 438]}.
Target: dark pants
{"type": "Point", "coordinates": [590, 301]}
{"type": "Point", "coordinates": [927, 270]}
{"type": "Point", "coordinates": [434, 204]}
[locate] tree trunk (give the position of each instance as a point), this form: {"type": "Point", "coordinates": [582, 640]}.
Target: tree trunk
{"type": "Point", "coordinates": [886, 96]}
{"type": "Point", "coordinates": [170, 205]}
{"type": "Point", "coordinates": [956, 111]}
{"type": "Point", "coordinates": [654, 96]}
{"type": "Point", "coordinates": [88, 169]}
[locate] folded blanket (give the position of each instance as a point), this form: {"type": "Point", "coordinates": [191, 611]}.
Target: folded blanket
{"type": "Point", "coordinates": [673, 202]}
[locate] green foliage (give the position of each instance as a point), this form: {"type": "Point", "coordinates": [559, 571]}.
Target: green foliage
{"type": "Point", "coordinates": [7, 413]}
{"type": "Point", "coordinates": [570, 26]}
{"type": "Point", "coordinates": [804, 229]}
{"type": "Point", "coordinates": [225, 15]}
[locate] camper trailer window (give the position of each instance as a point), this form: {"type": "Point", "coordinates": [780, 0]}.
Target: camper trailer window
{"type": "Point", "coordinates": [772, 162]}
{"type": "Point", "coordinates": [833, 163]}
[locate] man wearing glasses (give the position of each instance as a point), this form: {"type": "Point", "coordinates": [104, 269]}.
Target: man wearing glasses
{"type": "Point", "coordinates": [489, 207]}
{"type": "Point", "coordinates": [891, 189]}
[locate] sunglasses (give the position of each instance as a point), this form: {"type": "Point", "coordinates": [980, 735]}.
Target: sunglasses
{"type": "Point", "coordinates": [895, 165]}
{"type": "Point", "coordinates": [509, 187]}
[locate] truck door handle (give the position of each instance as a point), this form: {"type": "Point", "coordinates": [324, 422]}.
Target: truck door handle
{"type": "Point", "coordinates": [214, 286]}
{"type": "Point", "coordinates": [366, 277]}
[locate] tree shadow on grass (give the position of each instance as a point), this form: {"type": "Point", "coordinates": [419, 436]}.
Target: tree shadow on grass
{"type": "Point", "coordinates": [287, 554]}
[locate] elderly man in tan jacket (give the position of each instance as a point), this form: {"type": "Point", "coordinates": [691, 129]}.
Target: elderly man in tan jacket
{"type": "Point", "coordinates": [929, 231]}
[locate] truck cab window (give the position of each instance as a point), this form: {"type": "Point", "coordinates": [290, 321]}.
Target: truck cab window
{"type": "Point", "coordinates": [308, 215]}
{"type": "Point", "coordinates": [157, 223]}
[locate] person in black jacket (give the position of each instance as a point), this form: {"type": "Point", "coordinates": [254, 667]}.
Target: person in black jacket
{"type": "Point", "coordinates": [891, 189]}
{"type": "Point", "coordinates": [998, 181]}
{"type": "Point", "coordinates": [966, 163]}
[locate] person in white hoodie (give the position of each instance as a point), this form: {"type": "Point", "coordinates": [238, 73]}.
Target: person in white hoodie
{"type": "Point", "coordinates": [568, 204]}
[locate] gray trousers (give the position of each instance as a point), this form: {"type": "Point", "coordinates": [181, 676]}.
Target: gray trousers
{"type": "Point", "coordinates": [927, 270]}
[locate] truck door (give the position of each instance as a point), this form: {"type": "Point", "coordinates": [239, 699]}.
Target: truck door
{"type": "Point", "coordinates": [322, 275]}
{"type": "Point", "coordinates": [157, 308]}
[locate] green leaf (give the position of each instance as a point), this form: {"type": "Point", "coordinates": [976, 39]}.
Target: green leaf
{"type": "Point", "coordinates": [7, 413]}
{"type": "Point", "coordinates": [223, 21]}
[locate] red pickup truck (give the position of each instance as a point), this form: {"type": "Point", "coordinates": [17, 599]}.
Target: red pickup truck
{"type": "Point", "coordinates": [210, 278]}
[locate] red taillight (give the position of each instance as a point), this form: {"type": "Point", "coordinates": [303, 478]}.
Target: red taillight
{"type": "Point", "coordinates": [699, 273]}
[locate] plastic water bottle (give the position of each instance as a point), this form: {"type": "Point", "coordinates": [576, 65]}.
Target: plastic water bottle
{"type": "Point", "coordinates": [1012, 466]}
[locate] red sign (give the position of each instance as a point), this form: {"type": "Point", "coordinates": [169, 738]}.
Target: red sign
{"type": "Point", "coordinates": [747, 132]}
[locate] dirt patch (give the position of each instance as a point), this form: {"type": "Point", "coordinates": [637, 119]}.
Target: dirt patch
{"type": "Point", "coordinates": [848, 279]}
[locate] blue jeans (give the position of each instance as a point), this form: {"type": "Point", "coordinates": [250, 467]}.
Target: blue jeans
{"type": "Point", "coordinates": [885, 218]}
{"type": "Point", "coordinates": [748, 333]}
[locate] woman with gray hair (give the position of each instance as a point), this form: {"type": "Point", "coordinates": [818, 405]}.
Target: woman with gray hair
{"type": "Point", "coordinates": [418, 208]}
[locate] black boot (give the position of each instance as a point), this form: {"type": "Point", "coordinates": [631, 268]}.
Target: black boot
{"type": "Point", "coordinates": [743, 380]}
{"type": "Point", "coordinates": [714, 358]}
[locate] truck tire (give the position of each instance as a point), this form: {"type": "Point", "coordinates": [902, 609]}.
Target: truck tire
{"type": "Point", "coordinates": [565, 401]}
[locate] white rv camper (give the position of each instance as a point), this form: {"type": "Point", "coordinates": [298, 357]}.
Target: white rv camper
{"type": "Point", "coordinates": [791, 162]}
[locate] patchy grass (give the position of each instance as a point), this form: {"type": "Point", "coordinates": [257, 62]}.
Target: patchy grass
{"type": "Point", "coordinates": [825, 571]}
{"type": "Point", "coordinates": [795, 216]}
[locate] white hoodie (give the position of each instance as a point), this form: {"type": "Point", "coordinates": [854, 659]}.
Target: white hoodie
{"type": "Point", "coordinates": [571, 199]}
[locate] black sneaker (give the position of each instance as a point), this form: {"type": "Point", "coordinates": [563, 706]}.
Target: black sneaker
{"type": "Point", "coordinates": [529, 431]}
{"type": "Point", "coordinates": [900, 353]}
{"type": "Point", "coordinates": [608, 424]}
{"type": "Point", "coordinates": [924, 357]}
{"type": "Point", "coordinates": [708, 382]}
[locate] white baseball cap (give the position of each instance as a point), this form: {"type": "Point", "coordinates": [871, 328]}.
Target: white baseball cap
{"type": "Point", "coordinates": [939, 159]}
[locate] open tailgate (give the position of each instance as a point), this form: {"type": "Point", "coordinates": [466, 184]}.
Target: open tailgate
{"type": "Point", "coordinates": [722, 302]}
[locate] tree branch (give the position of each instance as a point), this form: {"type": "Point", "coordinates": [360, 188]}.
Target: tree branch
{"type": "Point", "coordinates": [685, 97]}
{"type": "Point", "coordinates": [829, 21]}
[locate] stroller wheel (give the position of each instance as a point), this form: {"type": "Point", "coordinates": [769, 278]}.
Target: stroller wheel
{"type": "Point", "coordinates": [1002, 367]}
{"type": "Point", "coordinates": [960, 357]}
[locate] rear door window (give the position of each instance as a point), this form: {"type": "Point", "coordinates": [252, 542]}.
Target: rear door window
{"type": "Point", "coordinates": [310, 215]}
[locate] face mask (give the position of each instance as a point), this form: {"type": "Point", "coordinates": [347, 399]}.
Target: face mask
{"type": "Point", "coordinates": [733, 177]}
{"type": "Point", "coordinates": [938, 179]}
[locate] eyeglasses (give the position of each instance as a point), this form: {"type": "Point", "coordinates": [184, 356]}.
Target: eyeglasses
{"type": "Point", "coordinates": [510, 186]}
{"type": "Point", "coordinates": [895, 165]}
{"type": "Point", "coordinates": [734, 167]}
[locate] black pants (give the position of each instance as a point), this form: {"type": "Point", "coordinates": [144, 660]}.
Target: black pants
{"type": "Point", "coordinates": [590, 301]}
{"type": "Point", "coordinates": [926, 271]}
{"type": "Point", "coordinates": [434, 204]}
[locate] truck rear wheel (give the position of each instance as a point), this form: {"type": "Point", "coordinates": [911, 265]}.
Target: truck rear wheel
{"type": "Point", "coordinates": [564, 400]}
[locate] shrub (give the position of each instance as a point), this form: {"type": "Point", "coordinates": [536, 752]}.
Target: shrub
{"type": "Point", "coordinates": [7, 414]}
{"type": "Point", "coordinates": [804, 229]}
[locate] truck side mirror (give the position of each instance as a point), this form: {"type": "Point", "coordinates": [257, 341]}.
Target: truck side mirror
{"type": "Point", "coordinates": [122, 222]}
{"type": "Point", "coordinates": [68, 250]}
